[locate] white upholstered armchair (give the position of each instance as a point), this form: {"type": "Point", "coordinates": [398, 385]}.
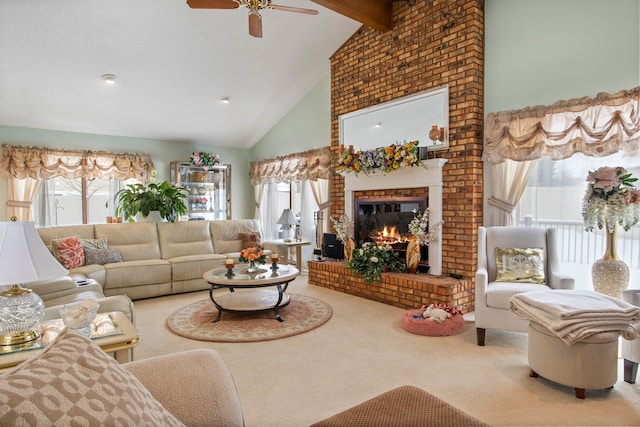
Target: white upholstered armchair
{"type": "Point", "coordinates": [495, 285]}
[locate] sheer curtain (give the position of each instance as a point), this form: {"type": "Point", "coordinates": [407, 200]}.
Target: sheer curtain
{"type": "Point", "coordinates": [20, 195]}
{"type": "Point", "coordinates": [308, 207]}
{"type": "Point", "coordinates": [320, 189]}
{"type": "Point", "coordinates": [270, 212]}
{"type": "Point", "coordinates": [509, 182]}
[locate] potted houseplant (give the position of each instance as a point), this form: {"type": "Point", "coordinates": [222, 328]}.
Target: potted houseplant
{"type": "Point", "coordinates": [168, 200]}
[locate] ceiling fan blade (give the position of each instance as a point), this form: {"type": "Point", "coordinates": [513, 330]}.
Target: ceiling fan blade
{"type": "Point", "coordinates": [255, 24]}
{"type": "Point", "coordinates": [294, 9]}
{"type": "Point", "coordinates": [212, 4]}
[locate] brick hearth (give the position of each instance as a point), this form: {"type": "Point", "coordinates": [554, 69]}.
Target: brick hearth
{"type": "Point", "coordinates": [398, 289]}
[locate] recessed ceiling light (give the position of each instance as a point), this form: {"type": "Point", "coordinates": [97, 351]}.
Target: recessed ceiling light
{"type": "Point", "coordinates": [225, 99]}
{"type": "Point", "coordinates": [109, 79]}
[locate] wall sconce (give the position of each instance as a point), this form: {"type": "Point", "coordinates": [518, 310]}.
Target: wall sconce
{"type": "Point", "coordinates": [436, 133]}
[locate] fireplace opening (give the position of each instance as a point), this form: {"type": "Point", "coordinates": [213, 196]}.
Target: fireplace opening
{"type": "Point", "coordinates": [385, 220]}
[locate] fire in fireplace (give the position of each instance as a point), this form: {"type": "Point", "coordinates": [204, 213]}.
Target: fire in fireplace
{"type": "Point", "coordinates": [385, 220]}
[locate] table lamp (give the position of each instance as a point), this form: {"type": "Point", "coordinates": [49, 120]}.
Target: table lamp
{"type": "Point", "coordinates": [23, 259]}
{"type": "Point", "coordinates": [287, 219]}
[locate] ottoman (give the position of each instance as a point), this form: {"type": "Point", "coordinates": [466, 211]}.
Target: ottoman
{"type": "Point", "coordinates": [405, 406]}
{"type": "Point", "coordinates": [590, 363]}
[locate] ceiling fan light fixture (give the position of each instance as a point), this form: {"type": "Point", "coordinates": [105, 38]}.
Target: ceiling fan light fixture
{"type": "Point", "coordinates": [109, 79]}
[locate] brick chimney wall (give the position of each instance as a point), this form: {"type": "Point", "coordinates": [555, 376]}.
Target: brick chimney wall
{"type": "Point", "coordinates": [432, 43]}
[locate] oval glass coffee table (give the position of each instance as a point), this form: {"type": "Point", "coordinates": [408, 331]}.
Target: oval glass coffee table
{"type": "Point", "coordinates": [250, 297]}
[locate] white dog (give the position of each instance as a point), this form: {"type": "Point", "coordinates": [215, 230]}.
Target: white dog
{"type": "Point", "coordinates": [438, 315]}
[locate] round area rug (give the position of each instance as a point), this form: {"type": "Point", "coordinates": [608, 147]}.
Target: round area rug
{"type": "Point", "coordinates": [303, 314]}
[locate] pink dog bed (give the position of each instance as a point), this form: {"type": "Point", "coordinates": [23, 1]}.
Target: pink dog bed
{"type": "Point", "coordinates": [421, 326]}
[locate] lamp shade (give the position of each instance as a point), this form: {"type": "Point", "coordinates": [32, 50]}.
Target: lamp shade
{"type": "Point", "coordinates": [287, 218]}
{"type": "Point", "coordinates": [23, 256]}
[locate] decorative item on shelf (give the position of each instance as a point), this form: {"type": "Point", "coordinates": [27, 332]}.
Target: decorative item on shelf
{"type": "Point", "coordinates": [254, 256]}
{"type": "Point", "coordinates": [23, 259]}
{"type": "Point", "coordinates": [199, 204]}
{"type": "Point", "coordinates": [198, 177]}
{"type": "Point", "coordinates": [436, 133]}
{"type": "Point", "coordinates": [217, 177]}
{"type": "Point", "coordinates": [287, 218]}
{"type": "Point", "coordinates": [370, 260]}
{"type": "Point", "coordinates": [611, 199]}
{"type": "Point", "coordinates": [204, 160]}
{"type": "Point", "coordinates": [202, 191]}
{"type": "Point", "coordinates": [343, 228]}
{"type": "Point", "coordinates": [384, 159]}
{"type": "Point", "coordinates": [165, 198]}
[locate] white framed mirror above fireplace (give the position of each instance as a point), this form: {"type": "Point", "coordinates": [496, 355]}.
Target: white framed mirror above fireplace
{"type": "Point", "coordinates": [410, 118]}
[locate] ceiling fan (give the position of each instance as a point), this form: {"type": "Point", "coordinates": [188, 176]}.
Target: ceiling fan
{"type": "Point", "coordinates": [254, 6]}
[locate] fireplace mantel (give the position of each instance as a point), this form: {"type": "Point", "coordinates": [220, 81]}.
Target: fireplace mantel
{"type": "Point", "coordinates": [430, 175]}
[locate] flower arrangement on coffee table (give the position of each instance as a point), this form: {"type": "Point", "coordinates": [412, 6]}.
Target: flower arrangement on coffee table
{"type": "Point", "coordinates": [254, 256]}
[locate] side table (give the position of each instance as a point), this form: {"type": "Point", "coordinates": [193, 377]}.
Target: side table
{"type": "Point", "coordinates": [298, 246]}
{"type": "Point", "coordinates": [114, 333]}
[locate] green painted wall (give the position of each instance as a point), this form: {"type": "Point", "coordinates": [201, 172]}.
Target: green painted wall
{"type": "Point", "coordinates": [305, 127]}
{"type": "Point", "coordinates": [542, 51]}
{"type": "Point", "coordinates": [162, 153]}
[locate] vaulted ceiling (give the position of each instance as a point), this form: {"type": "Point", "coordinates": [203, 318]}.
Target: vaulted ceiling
{"type": "Point", "coordinates": [173, 65]}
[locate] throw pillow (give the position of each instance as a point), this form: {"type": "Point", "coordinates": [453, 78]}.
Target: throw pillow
{"type": "Point", "coordinates": [523, 265]}
{"type": "Point", "coordinates": [74, 382]}
{"type": "Point", "coordinates": [68, 251]}
{"type": "Point", "coordinates": [250, 239]}
{"type": "Point", "coordinates": [102, 256]}
{"type": "Point", "coordinates": [94, 243]}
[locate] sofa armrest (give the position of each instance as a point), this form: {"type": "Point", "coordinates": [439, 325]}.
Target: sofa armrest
{"type": "Point", "coordinates": [196, 386]}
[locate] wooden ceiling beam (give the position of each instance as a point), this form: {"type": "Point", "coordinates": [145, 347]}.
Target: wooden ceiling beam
{"type": "Point", "coordinates": [372, 13]}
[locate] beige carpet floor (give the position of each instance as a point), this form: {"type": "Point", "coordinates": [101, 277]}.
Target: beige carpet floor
{"type": "Point", "coordinates": [362, 352]}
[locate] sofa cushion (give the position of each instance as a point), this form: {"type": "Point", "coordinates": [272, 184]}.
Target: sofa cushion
{"type": "Point", "coordinates": [136, 241]}
{"type": "Point", "coordinates": [184, 238]}
{"type": "Point", "coordinates": [102, 256]}
{"type": "Point", "coordinates": [49, 233]}
{"type": "Point", "coordinates": [227, 246]}
{"type": "Point", "coordinates": [73, 382]}
{"type": "Point", "coordinates": [194, 266]}
{"type": "Point", "coordinates": [137, 273]}
{"type": "Point", "coordinates": [229, 230]}
{"type": "Point", "coordinates": [68, 251]}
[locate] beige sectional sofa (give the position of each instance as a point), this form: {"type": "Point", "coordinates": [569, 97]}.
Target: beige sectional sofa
{"type": "Point", "coordinates": [158, 258]}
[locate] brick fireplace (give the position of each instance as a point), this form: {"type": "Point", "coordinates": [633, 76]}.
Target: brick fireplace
{"type": "Point", "coordinates": [432, 43]}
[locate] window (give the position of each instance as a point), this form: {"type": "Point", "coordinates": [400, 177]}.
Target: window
{"type": "Point", "coordinates": [553, 198]}
{"type": "Point", "coordinates": [68, 201]}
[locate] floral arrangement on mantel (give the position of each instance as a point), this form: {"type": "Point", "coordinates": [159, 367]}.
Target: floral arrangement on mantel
{"type": "Point", "coordinates": [204, 160]}
{"type": "Point", "coordinates": [385, 159]}
{"type": "Point", "coordinates": [254, 254]}
{"type": "Point", "coordinates": [370, 260]}
{"type": "Point", "coordinates": [343, 227]}
{"type": "Point", "coordinates": [611, 199]}
{"type": "Point", "coordinates": [419, 228]}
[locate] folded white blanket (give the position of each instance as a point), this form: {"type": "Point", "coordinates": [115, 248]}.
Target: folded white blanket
{"type": "Point", "coordinates": [576, 315]}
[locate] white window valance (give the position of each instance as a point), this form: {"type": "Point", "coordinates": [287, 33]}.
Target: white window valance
{"type": "Point", "coordinates": [19, 161]}
{"type": "Point", "coordinates": [596, 127]}
{"type": "Point", "coordinates": [309, 165]}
